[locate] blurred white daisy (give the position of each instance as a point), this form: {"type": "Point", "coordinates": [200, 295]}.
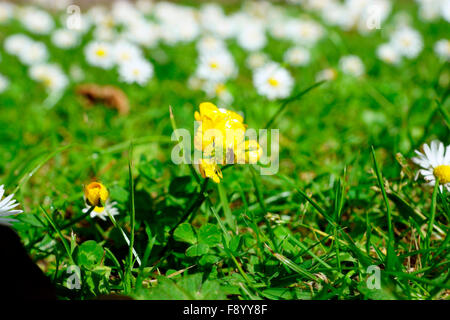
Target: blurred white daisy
{"type": "Point", "coordinates": [124, 12]}
{"type": "Point", "coordinates": [220, 91]}
{"type": "Point", "coordinates": [273, 81]}
{"type": "Point", "coordinates": [195, 83]}
{"type": "Point", "coordinates": [34, 52]}
{"type": "Point", "coordinates": [65, 38]}
{"type": "Point", "coordinates": [214, 21]}
{"type": "Point", "coordinates": [104, 34]}
{"type": "Point", "coordinates": [352, 65]}
{"type": "Point", "coordinates": [102, 212]}
{"type": "Point", "coordinates": [136, 71]}
{"type": "Point", "coordinates": [252, 37]}
{"type": "Point", "coordinates": [256, 60]}
{"type": "Point", "coordinates": [210, 44]}
{"type": "Point", "coordinates": [36, 21]}
{"type": "Point", "coordinates": [6, 11]}
{"type": "Point", "coordinates": [7, 206]}
{"type": "Point", "coordinates": [50, 76]}
{"type": "Point", "coordinates": [327, 74]}
{"type": "Point", "coordinates": [99, 54]}
{"type": "Point", "coordinates": [297, 56]}
{"type": "Point", "coordinates": [442, 49]}
{"type": "Point", "coordinates": [216, 66]}
{"type": "Point", "coordinates": [445, 10]}
{"type": "Point", "coordinates": [304, 32]}
{"type": "Point", "coordinates": [429, 10]}
{"type": "Point", "coordinates": [407, 41]}
{"type": "Point", "coordinates": [14, 44]}
{"type": "Point", "coordinates": [4, 83]}
{"type": "Point", "coordinates": [389, 54]}
{"type": "Point", "coordinates": [435, 163]}
{"type": "Point", "coordinates": [125, 52]}
{"type": "Point", "coordinates": [142, 32]}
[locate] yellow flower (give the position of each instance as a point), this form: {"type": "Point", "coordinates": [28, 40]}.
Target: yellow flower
{"type": "Point", "coordinates": [96, 195]}
{"type": "Point", "coordinates": [209, 169]}
{"type": "Point", "coordinates": [219, 127]}
{"type": "Point", "coordinates": [221, 138]}
{"type": "Point", "coordinates": [249, 151]}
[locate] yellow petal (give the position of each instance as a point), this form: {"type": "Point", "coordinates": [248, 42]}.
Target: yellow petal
{"type": "Point", "coordinates": [96, 194]}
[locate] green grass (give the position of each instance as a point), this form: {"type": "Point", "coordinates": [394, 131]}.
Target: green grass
{"type": "Point", "coordinates": [347, 200]}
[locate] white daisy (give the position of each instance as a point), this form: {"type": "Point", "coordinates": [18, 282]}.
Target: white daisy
{"type": "Point", "coordinates": [143, 33]}
{"type": "Point", "coordinates": [408, 42]}
{"type": "Point", "coordinates": [37, 21]}
{"type": "Point", "coordinates": [65, 38]}
{"type": "Point", "coordinates": [99, 54]}
{"type": "Point", "coordinates": [442, 49]}
{"type": "Point", "coordinates": [304, 32]}
{"type": "Point", "coordinates": [352, 65]}
{"type": "Point", "coordinates": [256, 60]}
{"type": "Point", "coordinates": [445, 10]}
{"type": "Point", "coordinates": [297, 56]}
{"type": "Point", "coordinates": [34, 52]}
{"type": "Point", "coordinates": [6, 11]}
{"type": "Point", "coordinates": [389, 54]}
{"type": "Point", "coordinates": [273, 81]}
{"type": "Point", "coordinates": [328, 74]}
{"type": "Point", "coordinates": [209, 44]}
{"type": "Point", "coordinates": [6, 207]}
{"type": "Point", "coordinates": [220, 91]}
{"type": "Point", "coordinates": [435, 163]}
{"type": "Point", "coordinates": [16, 43]}
{"type": "Point", "coordinates": [138, 71]}
{"type": "Point", "coordinates": [252, 37]}
{"type": "Point", "coordinates": [216, 66]}
{"type": "Point", "coordinates": [102, 212]}
{"type": "Point", "coordinates": [49, 75]}
{"type": "Point", "coordinates": [125, 52]}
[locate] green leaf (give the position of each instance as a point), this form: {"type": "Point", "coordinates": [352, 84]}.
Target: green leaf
{"type": "Point", "coordinates": [197, 250]}
{"type": "Point", "coordinates": [151, 169]}
{"type": "Point", "coordinates": [30, 219]}
{"type": "Point", "coordinates": [118, 193]}
{"type": "Point", "coordinates": [90, 253]}
{"type": "Point", "coordinates": [185, 233]}
{"type": "Point", "coordinates": [189, 287]}
{"type": "Point", "coordinates": [208, 259]}
{"type": "Point", "coordinates": [234, 244]}
{"type": "Point", "coordinates": [209, 234]}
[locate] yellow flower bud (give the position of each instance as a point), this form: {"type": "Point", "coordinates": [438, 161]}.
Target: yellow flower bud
{"type": "Point", "coordinates": [96, 194]}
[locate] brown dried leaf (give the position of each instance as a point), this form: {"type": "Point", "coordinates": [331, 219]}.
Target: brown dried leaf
{"type": "Point", "coordinates": [108, 95]}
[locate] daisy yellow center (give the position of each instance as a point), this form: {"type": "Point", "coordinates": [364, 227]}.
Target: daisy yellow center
{"type": "Point", "coordinates": [406, 42]}
{"type": "Point", "coordinates": [220, 88]}
{"type": "Point", "coordinates": [214, 65]}
{"type": "Point", "coordinates": [442, 172]}
{"type": "Point", "coordinates": [136, 72]}
{"type": "Point", "coordinates": [273, 82]}
{"type": "Point", "coordinates": [100, 52]}
{"type": "Point", "coordinates": [99, 209]}
{"type": "Point", "coordinates": [47, 81]}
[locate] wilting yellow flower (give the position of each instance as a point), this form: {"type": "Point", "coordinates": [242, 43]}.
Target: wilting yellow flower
{"type": "Point", "coordinates": [209, 169]}
{"type": "Point", "coordinates": [96, 195]}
